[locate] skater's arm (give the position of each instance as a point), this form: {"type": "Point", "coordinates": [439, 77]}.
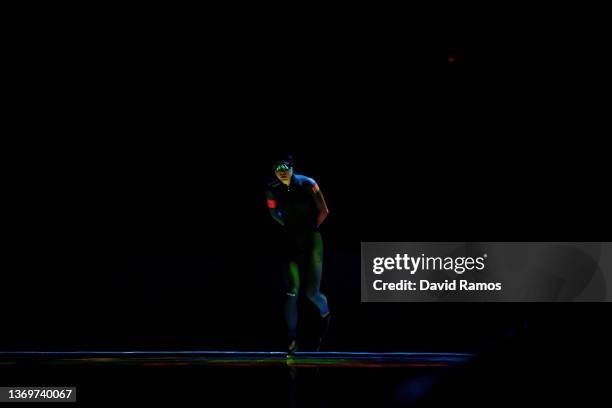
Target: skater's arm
{"type": "Point", "coordinates": [319, 201]}
{"type": "Point", "coordinates": [272, 207]}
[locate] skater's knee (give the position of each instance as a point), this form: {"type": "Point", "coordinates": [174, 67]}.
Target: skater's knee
{"type": "Point", "coordinates": [312, 295]}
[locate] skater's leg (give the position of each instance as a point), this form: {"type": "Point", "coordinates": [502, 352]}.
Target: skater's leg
{"type": "Point", "coordinates": [292, 288]}
{"type": "Point", "coordinates": [314, 270]}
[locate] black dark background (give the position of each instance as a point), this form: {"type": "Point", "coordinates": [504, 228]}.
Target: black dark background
{"type": "Point", "coordinates": [144, 146]}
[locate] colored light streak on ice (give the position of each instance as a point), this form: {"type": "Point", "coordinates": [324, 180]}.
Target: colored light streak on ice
{"type": "Point", "coordinates": [244, 359]}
